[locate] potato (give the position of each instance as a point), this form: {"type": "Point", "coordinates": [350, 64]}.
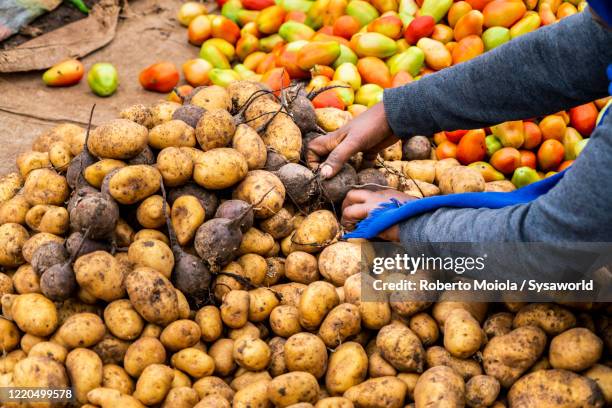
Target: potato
{"type": "Point", "coordinates": [235, 308]}
{"type": "Point", "coordinates": [12, 239]}
{"type": "Point", "coordinates": [401, 347]}
{"type": "Point", "coordinates": [142, 353]}
{"type": "Point", "coordinates": [180, 334]}
{"type": "Point", "coordinates": [111, 398]}
{"type": "Point", "coordinates": [150, 214]}
{"type": "Point", "coordinates": [115, 377]}
{"type": "Point", "coordinates": [26, 280]}
{"type": "Point", "coordinates": [132, 184]}
{"type": "Point", "coordinates": [284, 137]}
{"type": "Point", "coordinates": [285, 320]}
{"type": "Point", "coordinates": [95, 173]}
{"type": "Point", "coordinates": [443, 308]}
{"type": "Point", "coordinates": [117, 139]}
{"type": "Point", "coordinates": [248, 330]}
{"type": "Point", "coordinates": [85, 372]}
{"type": "Point", "coordinates": [124, 234]}
{"type": "Point", "coordinates": [50, 349]}
{"type": "Point", "coordinates": [29, 161]}
{"type": "Point", "coordinates": [461, 179]}
{"type": "Point", "coordinates": [80, 330]}
{"type": "Point", "coordinates": [152, 295]}
{"type": "Point", "coordinates": [9, 335]}
{"type": "Point", "coordinates": [187, 215]}
{"type": "Point", "coordinates": [34, 314]}
{"type": "Point", "coordinates": [139, 114]}
{"type": "Point", "coordinates": [253, 395]}
{"type": "Point", "coordinates": [175, 166]}
{"type": "Point", "coordinates": [6, 284]}
{"type": "Point", "coordinates": [339, 261]}
{"type": "Point", "coordinates": [263, 190]}
{"type": "Point", "coordinates": [555, 388]}
{"type": "Point", "coordinates": [341, 322]}
{"type": "Point", "coordinates": [45, 186]}
{"type": "Point", "coordinates": [501, 186]}
{"type": "Point", "coordinates": [36, 241]}
{"type": "Point", "coordinates": [41, 372]}
{"type": "Point", "coordinates": [213, 386]}
{"type": "Point", "coordinates": [602, 375]}
{"type": "Point", "coordinates": [376, 312]}
{"type": "Point", "coordinates": [423, 170]}
{"type": "Point", "coordinates": [10, 186]}
{"type": "Point", "coordinates": [153, 384]}
{"type": "Point", "coordinates": [181, 397]}
{"type": "Point", "coordinates": [215, 129]}
{"type": "Point", "coordinates": [213, 401]}
{"type": "Point", "coordinates": [251, 353]}
{"type": "Point", "coordinates": [173, 133]}
{"type": "Point", "coordinates": [507, 357]}
{"type": "Point", "coordinates": [466, 368]}
{"type": "Point", "coordinates": [221, 353]}
{"type": "Point", "coordinates": [462, 334]}
{"type": "Point", "coordinates": [275, 270]}
{"type": "Point", "coordinates": [14, 210]}
{"type": "Point", "coordinates": [331, 119]}
{"type": "Point", "coordinates": [153, 254]}
{"type": "Point", "coordinates": [318, 230]}
{"type": "Point", "coordinates": [393, 152]}
{"type": "Point", "coordinates": [441, 387]}
{"type": "Point", "coordinates": [60, 156]}
{"type": "Point", "coordinates": [425, 327]}
{"type": "Point", "coordinates": [575, 350]}
{"type": "Point", "coordinates": [210, 97]}
{"type": "Point", "coordinates": [481, 391]}
{"type": "Point", "coordinates": [220, 168]}
{"type": "Point", "coordinates": [8, 361]}
{"type": "Point", "coordinates": [209, 320]}
{"type": "Point", "coordinates": [315, 302]}
{"type": "Point", "coordinates": [151, 234]}
{"type": "Point", "coordinates": [262, 302]}
{"type": "Point", "coordinates": [306, 352]}
{"type": "Point", "coordinates": [377, 365]}
{"type": "Point", "coordinates": [498, 324]}
{"type": "Point", "coordinates": [551, 318]}
{"type": "Point", "coordinates": [417, 148]}
{"type": "Point", "coordinates": [378, 393]}
{"type": "Point", "coordinates": [254, 267]}
{"type": "Point", "coordinates": [256, 241]}
{"type": "Point", "coordinates": [301, 267]}
{"type": "Point", "coordinates": [247, 141]}
{"type": "Point", "coordinates": [100, 274]}
{"type": "Point", "coordinates": [334, 402]}
{"type": "Point", "coordinates": [194, 362]}
{"type": "Point", "coordinates": [180, 379]}
{"type": "Point", "coordinates": [348, 366]}
{"type": "Point", "coordinates": [294, 387]}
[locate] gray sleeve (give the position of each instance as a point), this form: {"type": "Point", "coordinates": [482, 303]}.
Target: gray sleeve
{"type": "Point", "coordinates": [553, 68]}
{"type": "Point", "coordinates": [578, 208]}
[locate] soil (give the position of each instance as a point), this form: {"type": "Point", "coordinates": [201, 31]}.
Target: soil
{"type": "Point", "coordinates": [62, 15]}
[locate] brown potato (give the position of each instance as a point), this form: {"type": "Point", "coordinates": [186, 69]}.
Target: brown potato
{"type": "Point", "coordinates": [291, 388]}
{"type": "Point", "coordinates": [348, 366]}
{"type": "Point", "coordinates": [378, 393]}
{"type": "Point", "coordinates": [173, 133]}
{"type": "Point", "coordinates": [117, 139]}
{"type": "Point", "coordinates": [481, 391]}
{"type": "Point", "coordinates": [142, 353]}
{"type": "Point", "coordinates": [152, 295]}
{"type": "Point", "coordinates": [575, 350]}
{"type": "Point", "coordinates": [507, 357]}
{"type": "Point", "coordinates": [555, 388]}
{"type": "Point", "coordinates": [440, 386]}
{"type": "Point", "coordinates": [306, 352]}
{"type": "Point", "coordinates": [498, 324]}
{"type": "Point", "coordinates": [602, 375]}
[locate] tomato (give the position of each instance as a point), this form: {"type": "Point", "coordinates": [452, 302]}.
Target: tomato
{"type": "Point", "coordinates": [528, 158]}
{"type": "Point", "coordinates": [159, 77]}
{"type": "Point", "coordinates": [583, 118]}
{"type": "Point", "coordinates": [446, 149]}
{"type": "Point", "coordinates": [472, 147]}
{"type": "Point", "coordinates": [346, 26]}
{"type": "Point", "coordinates": [565, 165]}
{"type": "Point", "coordinates": [65, 73]}
{"type": "Point", "coordinates": [179, 93]}
{"type": "Point", "coordinates": [533, 135]}
{"type": "Point", "coordinates": [418, 28]}
{"type": "Point", "coordinates": [295, 15]}
{"type": "Point", "coordinates": [550, 154]}
{"type": "Point", "coordinates": [327, 99]}
{"type": "Point", "coordinates": [506, 159]}
{"type": "Point", "coordinates": [553, 127]}
{"type": "Point", "coordinates": [439, 138]}
{"type": "Point", "coordinates": [276, 79]}
{"type": "Point", "coordinates": [456, 135]}
{"type": "Point", "coordinates": [196, 71]}
{"type": "Point", "coordinates": [199, 30]}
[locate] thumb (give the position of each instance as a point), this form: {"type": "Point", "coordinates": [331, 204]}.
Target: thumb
{"type": "Point", "coordinates": [338, 157]}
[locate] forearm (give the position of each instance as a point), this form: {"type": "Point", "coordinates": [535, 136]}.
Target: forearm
{"type": "Point", "coordinates": [577, 209]}
{"type": "Point", "coordinates": [551, 69]}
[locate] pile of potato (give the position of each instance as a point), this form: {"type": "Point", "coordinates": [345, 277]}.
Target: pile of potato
{"type": "Point", "coordinates": [180, 256]}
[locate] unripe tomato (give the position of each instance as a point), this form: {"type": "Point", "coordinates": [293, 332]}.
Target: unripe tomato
{"type": "Point", "coordinates": [472, 147]}
{"type": "Point", "coordinates": [550, 154]}
{"type": "Point", "coordinates": [103, 79]}
{"type": "Point", "coordinates": [179, 93]}
{"type": "Point", "coordinates": [199, 30]}
{"type": "Point", "coordinates": [189, 11]}
{"type": "Point", "coordinates": [65, 73]}
{"type": "Point", "coordinates": [196, 71]}
{"type": "Point", "coordinates": [159, 77]}
{"type": "Point", "coordinates": [506, 160]}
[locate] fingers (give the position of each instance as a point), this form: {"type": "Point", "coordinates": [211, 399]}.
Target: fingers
{"type": "Point", "coordinates": [370, 154]}
{"type": "Point", "coordinates": [353, 214]}
{"type": "Point", "coordinates": [340, 155]}
{"type": "Point", "coordinates": [355, 197]}
{"type": "Point", "coordinates": [321, 146]}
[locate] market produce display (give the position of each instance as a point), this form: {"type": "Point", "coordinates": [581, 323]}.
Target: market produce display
{"type": "Point", "coordinates": [182, 254]}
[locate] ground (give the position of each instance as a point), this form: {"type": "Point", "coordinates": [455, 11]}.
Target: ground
{"type": "Point", "coordinates": [147, 33]}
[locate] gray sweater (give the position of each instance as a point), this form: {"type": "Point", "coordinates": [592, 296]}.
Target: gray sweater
{"type": "Point", "coordinates": [555, 68]}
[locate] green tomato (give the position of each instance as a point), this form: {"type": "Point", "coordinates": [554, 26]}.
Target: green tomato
{"type": "Point", "coordinates": [524, 176]}
{"type": "Point", "coordinates": [493, 144]}
{"type": "Point", "coordinates": [103, 79]}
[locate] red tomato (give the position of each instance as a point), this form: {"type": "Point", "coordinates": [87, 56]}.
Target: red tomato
{"type": "Point", "coordinates": [550, 154]}
{"type": "Point", "coordinates": [276, 79]}
{"type": "Point", "coordinates": [418, 28]}
{"type": "Point", "coordinates": [328, 99]}
{"type": "Point", "coordinates": [583, 118]}
{"type": "Point", "coordinates": [506, 160]}
{"type": "Point", "coordinates": [446, 149]}
{"type": "Point", "coordinates": [159, 77]}
{"type": "Point", "coordinates": [346, 26]}
{"type": "Point", "coordinates": [455, 136]}
{"type": "Point", "coordinates": [528, 158]}
{"type": "Point", "coordinates": [472, 147]}
{"type": "Point", "coordinates": [298, 16]}
{"type": "Point", "coordinates": [533, 135]}
{"type": "Point", "coordinates": [565, 165]}
{"type": "Point", "coordinates": [256, 4]}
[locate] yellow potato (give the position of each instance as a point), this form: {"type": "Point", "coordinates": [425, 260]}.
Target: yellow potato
{"type": "Point", "coordinates": [462, 334]}
{"type": "Point", "coordinates": [181, 397]}
{"type": "Point", "coordinates": [9, 335]}
{"type": "Point", "coordinates": [220, 168]}
{"type": "Point", "coordinates": [247, 141]}
{"type": "Point", "coordinates": [45, 186]}
{"type": "Point", "coordinates": [575, 350]}
{"type": "Point", "coordinates": [221, 352]}
{"type": "Point", "coordinates": [378, 392]}
{"type": "Point", "coordinates": [213, 386]}
{"type": "Point", "coordinates": [602, 375]}
{"type": "Point", "coordinates": [215, 129]}
{"type": "Point", "coordinates": [263, 190]}
{"type": "Point", "coordinates": [461, 179]}
{"type": "Point", "coordinates": [8, 361]}
{"type": "Point", "coordinates": [254, 267]}
{"type": "Point", "coordinates": [29, 161]}
{"type": "Point", "coordinates": [81, 330]}
{"type": "Point", "coordinates": [331, 119]}
{"type": "Point", "coordinates": [175, 166]}
{"type": "Point", "coordinates": [255, 241]}
{"type": "Point", "coordinates": [100, 274]}
{"type": "Point", "coordinates": [150, 212]}
{"type": "Point", "coordinates": [440, 386]}
{"type": "Point", "coordinates": [424, 326]}
{"type": "Point", "coordinates": [468, 368]}
{"type": "Point", "coordinates": [318, 299]}
{"type": "Point", "coordinates": [9, 186]}
{"type": "Point", "coordinates": [142, 353]}
{"type": "Point", "coordinates": [318, 230]}
{"type": "Point", "coordinates": [285, 320]}
{"type": "Point", "coordinates": [211, 97]}
{"type": "Point", "coordinates": [301, 267]}
{"type": "Point", "coordinates": [111, 398]}
{"type": "Point", "coordinates": [95, 173]}
{"type": "Point", "coordinates": [153, 254]}
{"type": "Point", "coordinates": [115, 377]}
{"type": "Point", "coordinates": [481, 391]}
{"type": "Point", "coordinates": [14, 210]}
{"type": "Point", "coordinates": [34, 314]}
{"type": "Point", "coordinates": [152, 295]}
{"type": "Point", "coordinates": [235, 308]}
{"type": "Point", "coordinates": [180, 334]}
{"type": "Point", "coordinates": [151, 234]}
{"type": "Point", "coordinates": [291, 388]}
{"type": "Point", "coordinates": [261, 303]}
{"type": "Point", "coordinates": [306, 352]}
{"type": "Point", "coordinates": [348, 366]}
{"type": "Point", "coordinates": [117, 139]}
{"type": "Point", "coordinates": [401, 347]}
{"type": "Point", "coordinates": [173, 133]}
{"type": "Point", "coordinates": [41, 372]}
{"type": "Point", "coordinates": [49, 349]}
{"type": "Point", "coordinates": [194, 362]}
{"type": "Point", "coordinates": [341, 322]}
{"type": "Point", "coordinates": [339, 261]}
{"type": "Point", "coordinates": [122, 320]}
{"type": "Point", "coordinates": [209, 320]}
{"type": "Point", "coordinates": [187, 215]}
{"type": "Point", "coordinates": [551, 318]}
{"type": "Point", "coordinates": [85, 372]}
{"type": "Point", "coordinates": [131, 184]}
{"type": "Point", "coordinates": [60, 156]}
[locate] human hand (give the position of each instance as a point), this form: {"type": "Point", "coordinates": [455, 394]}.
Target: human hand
{"type": "Point", "coordinates": [368, 133]}
{"type": "Point", "coordinates": [358, 205]}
